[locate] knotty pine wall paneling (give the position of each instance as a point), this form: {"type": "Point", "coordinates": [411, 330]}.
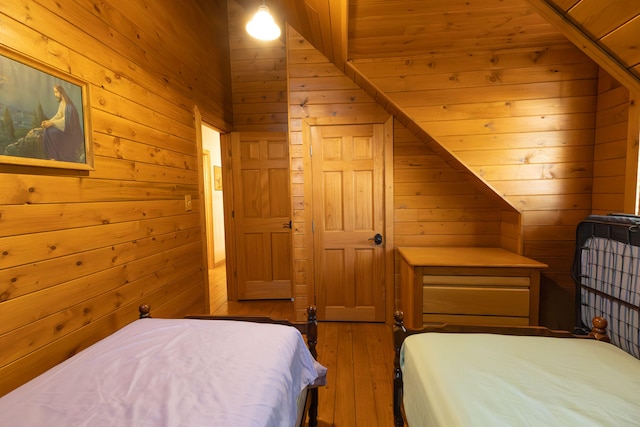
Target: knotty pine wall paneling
{"type": "Point", "coordinates": [432, 205]}
{"type": "Point", "coordinates": [80, 251]}
{"type": "Point", "coordinates": [311, 77]}
{"type": "Point", "coordinates": [258, 76]}
{"type": "Point", "coordinates": [523, 120]}
{"type": "Point", "coordinates": [610, 149]}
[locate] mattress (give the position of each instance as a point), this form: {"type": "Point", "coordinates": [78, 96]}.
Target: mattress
{"type": "Point", "coordinates": [170, 372]}
{"type": "Point", "coordinates": [497, 380]}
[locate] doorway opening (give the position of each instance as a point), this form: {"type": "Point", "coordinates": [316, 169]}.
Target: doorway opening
{"type": "Point", "coordinates": [214, 216]}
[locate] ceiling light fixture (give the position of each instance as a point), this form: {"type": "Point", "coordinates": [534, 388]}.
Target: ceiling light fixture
{"type": "Point", "coordinates": [262, 26]}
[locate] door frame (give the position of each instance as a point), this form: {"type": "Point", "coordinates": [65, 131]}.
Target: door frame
{"type": "Point", "coordinates": [389, 258]}
{"type": "Point", "coordinates": [201, 195]}
{"type": "Point", "coordinates": [208, 214]}
{"type": "Point", "coordinates": [229, 221]}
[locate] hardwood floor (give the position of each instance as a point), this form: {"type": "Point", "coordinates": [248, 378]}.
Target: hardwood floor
{"type": "Point", "coordinates": [359, 358]}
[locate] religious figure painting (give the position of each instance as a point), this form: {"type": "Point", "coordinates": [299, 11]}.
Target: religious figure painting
{"type": "Point", "coordinates": [43, 116]}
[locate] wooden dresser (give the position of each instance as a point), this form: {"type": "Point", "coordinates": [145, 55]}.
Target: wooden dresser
{"type": "Point", "coordinates": [468, 286]}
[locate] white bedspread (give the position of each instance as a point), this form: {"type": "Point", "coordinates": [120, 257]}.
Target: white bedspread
{"type": "Point", "coordinates": [162, 372]}
{"type": "Point", "coordinates": [492, 380]}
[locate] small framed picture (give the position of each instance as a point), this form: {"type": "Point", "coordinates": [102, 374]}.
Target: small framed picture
{"type": "Point", "coordinates": [217, 178]}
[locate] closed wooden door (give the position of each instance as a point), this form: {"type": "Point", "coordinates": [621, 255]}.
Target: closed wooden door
{"type": "Point", "coordinates": [260, 163]}
{"type": "Point", "coordinates": [348, 220]}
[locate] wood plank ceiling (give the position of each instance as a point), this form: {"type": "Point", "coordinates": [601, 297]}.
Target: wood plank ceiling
{"type": "Point", "coordinates": [356, 34]}
{"type": "Point", "coordinates": [357, 30]}
{"type": "Point", "coordinates": [351, 33]}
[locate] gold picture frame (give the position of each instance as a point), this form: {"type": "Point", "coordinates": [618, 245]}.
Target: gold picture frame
{"type": "Point", "coordinates": [44, 115]}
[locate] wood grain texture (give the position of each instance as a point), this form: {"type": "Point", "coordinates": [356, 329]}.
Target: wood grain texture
{"type": "Point", "coordinates": [468, 285]}
{"type": "Point", "coordinates": [411, 28]}
{"type": "Point", "coordinates": [349, 209]}
{"type": "Point", "coordinates": [81, 251]}
{"type": "Point", "coordinates": [521, 112]}
{"type": "Point", "coordinates": [421, 59]}
{"type": "Point", "coordinates": [262, 207]}
{"type": "Point", "coordinates": [359, 358]}
{"type": "Point", "coordinates": [612, 24]}
{"type": "Point", "coordinates": [610, 149]}
{"type": "Point", "coordinates": [524, 132]}
{"type": "Point", "coordinates": [258, 77]}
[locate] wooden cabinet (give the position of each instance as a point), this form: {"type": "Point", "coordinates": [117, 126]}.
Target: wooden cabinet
{"type": "Point", "coordinates": [468, 286]}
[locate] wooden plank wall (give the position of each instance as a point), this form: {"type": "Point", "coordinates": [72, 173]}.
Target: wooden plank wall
{"type": "Point", "coordinates": [432, 206]}
{"type": "Point", "coordinates": [259, 77]}
{"type": "Point", "coordinates": [523, 120]}
{"type": "Point", "coordinates": [80, 251]}
{"type": "Point", "coordinates": [610, 150]}
{"type": "Point", "coordinates": [429, 212]}
{"type": "Point", "coordinates": [318, 94]}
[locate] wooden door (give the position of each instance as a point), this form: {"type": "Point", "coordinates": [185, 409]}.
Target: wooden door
{"type": "Point", "coordinates": [348, 212]}
{"type": "Point", "coordinates": [262, 207]}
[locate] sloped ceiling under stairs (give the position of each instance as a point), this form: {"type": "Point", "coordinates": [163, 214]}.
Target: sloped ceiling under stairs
{"type": "Point", "coordinates": [350, 31]}
{"type": "Point", "coordinates": [360, 36]}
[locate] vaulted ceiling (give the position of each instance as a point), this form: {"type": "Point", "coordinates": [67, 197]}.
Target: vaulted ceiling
{"type": "Point", "coordinates": [352, 31]}
{"type": "Point", "coordinates": [376, 41]}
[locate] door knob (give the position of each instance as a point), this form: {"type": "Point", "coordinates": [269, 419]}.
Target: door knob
{"type": "Point", "coordinates": [377, 239]}
{"type": "Point", "coordinates": [287, 224]}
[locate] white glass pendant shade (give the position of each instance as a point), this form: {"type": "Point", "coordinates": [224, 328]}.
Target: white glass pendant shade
{"type": "Point", "coordinates": [262, 26]}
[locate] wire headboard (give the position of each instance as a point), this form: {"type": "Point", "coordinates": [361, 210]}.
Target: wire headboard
{"type": "Point", "coordinates": [606, 270]}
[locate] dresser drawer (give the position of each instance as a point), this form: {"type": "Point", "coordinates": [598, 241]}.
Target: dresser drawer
{"type": "Point", "coordinates": [467, 319]}
{"type": "Point", "coordinates": [483, 301]}
{"type": "Point", "coordinates": [477, 281]}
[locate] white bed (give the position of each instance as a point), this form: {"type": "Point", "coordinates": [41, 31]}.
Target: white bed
{"type": "Point", "coordinates": [173, 372]}
{"type": "Point", "coordinates": [498, 380]}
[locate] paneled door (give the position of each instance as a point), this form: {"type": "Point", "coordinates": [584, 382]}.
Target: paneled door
{"type": "Point", "coordinates": [262, 207]}
{"type": "Point", "coordinates": [348, 221]}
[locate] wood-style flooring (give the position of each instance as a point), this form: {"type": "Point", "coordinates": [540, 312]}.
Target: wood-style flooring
{"type": "Point", "coordinates": [359, 358]}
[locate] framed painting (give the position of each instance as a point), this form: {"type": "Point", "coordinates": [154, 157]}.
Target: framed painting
{"type": "Point", "coordinates": [44, 115]}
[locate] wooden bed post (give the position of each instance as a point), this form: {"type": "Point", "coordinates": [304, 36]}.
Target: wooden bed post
{"type": "Point", "coordinates": [312, 330]}
{"type": "Point", "coordinates": [599, 329]}
{"type": "Point", "coordinates": [399, 334]}
{"type": "Point", "coordinates": [145, 311]}
{"type": "Point", "coordinates": [312, 341]}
